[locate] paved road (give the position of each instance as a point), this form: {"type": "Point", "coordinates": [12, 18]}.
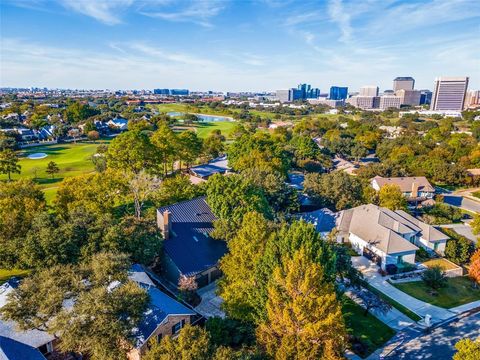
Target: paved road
{"type": "Point", "coordinates": [462, 202]}
{"type": "Point", "coordinates": [439, 344]}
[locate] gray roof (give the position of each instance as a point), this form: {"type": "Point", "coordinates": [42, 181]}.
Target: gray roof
{"type": "Point", "coordinates": [190, 246]}
{"type": "Point", "coordinates": [405, 183]}
{"type": "Point", "coordinates": [322, 219]}
{"type": "Point", "coordinates": [379, 227]}
{"type": "Point", "coordinates": [33, 338]}
{"type": "Point", "coordinates": [216, 166]}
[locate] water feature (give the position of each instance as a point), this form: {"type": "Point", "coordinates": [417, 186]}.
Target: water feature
{"type": "Point", "coordinates": [36, 156]}
{"type": "Point", "coordinates": [202, 117]}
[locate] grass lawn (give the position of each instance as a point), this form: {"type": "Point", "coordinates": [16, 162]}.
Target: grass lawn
{"type": "Point", "coordinates": [371, 331]}
{"type": "Point", "coordinates": [6, 274]}
{"type": "Point", "coordinates": [72, 159]}
{"type": "Point", "coordinates": [459, 291]}
{"type": "Point", "coordinates": [476, 194]}
{"type": "Point", "coordinates": [205, 128]}
{"type": "Point", "coordinates": [446, 265]}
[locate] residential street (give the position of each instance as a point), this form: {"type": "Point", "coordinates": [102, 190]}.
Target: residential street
{"type": "Point", "coordinates": [439, 344]}
{"type": "Point", "coordinates": [462, 202]}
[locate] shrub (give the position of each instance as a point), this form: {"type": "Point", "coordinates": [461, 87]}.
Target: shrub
{"type": "Point", "coordinates": [434, 277]}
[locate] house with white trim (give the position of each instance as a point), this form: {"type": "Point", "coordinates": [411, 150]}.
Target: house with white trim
{"type": "Point", "coordinates": [386, 236]}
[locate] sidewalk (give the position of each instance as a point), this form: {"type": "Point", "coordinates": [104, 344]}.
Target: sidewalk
{"type": "Point", "coordinates": [393, 318]}
{"type": "Point", "coordinates": [466, 307]}
{"type": "Point", "coordinates": [380, 283]}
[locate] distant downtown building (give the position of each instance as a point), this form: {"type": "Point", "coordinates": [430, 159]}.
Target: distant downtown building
{"type": "Point", "coordinates": [473, 99]}
{"type": "Point", "coordinates": [308, 92]}
{"type": "Point", "coordinates": [408, 97]}
{"type": "Point", "coordinates": [449, 93]}
{"type": "Point", "coordinates": [302, 92]}
{"type": "Point", "coordinates": [171, 92]}
{"type": "Point", "coordinates": [403, 83]}
{"type": "Point", "coordinates": [369, 90]}
{"type": "Point", "coordinates": [425, 97]}
{"type": "Point", "coordinates": [389, 101]}
{"type": "Point", "coordinates": [338, 93]}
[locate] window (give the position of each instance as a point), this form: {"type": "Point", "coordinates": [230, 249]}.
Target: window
{"type": "Point", "coordinates": [159, 338]}
{"type": "Point", "coordinates": [400, 259]}
{"type": "Point", "coordinates": [435, 246]}
{"type": "Point", "coordinates": [176, 328]}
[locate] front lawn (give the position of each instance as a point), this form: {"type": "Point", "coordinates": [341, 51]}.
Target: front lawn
{"type": "Point", "coordinates": [367, 330]}
{"type": "Point", "coordinates": [459, 291]}
{"type": "Point", "coordinates": [6, 274]}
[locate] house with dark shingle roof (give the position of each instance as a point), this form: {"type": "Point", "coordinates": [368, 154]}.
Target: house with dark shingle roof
{"type": "Point", "coordinates": [164, 315]}
{"type": "Point", "coordinates": [215, 166]}
{"type": "Point", "coordinates": [411, 187]}
{"type": "Point", "coordinates": [189, 249]}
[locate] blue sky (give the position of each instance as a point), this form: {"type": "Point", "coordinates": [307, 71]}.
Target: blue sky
{"type": "Point", "coordinates": [236, 45]}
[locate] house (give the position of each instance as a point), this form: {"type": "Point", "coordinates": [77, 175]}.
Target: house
{"type": "Point", "coordinates": [414, 188]}
{"type": "Point", "coordinates": [46, 132]}
{"type": "Point", "coordinates": [16, 344]}
{"type": "Point", "coordinates": [386, 236]}
{"type": "Point", "coordinates": [164, 315]}
{"type": "Point", "coordinates": [189, 249]}
{"type": "Point", "coordinates": [344, 165]}
{"type": "Point", "coordinates": [118, 123]}
{"type": "Point", "coordinates": [216, 166]}
{"type": "Point", "coordinates": [324, 220]}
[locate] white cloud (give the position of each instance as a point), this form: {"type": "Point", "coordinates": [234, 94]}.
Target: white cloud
{"type": "Point", "coordinates": [338, 14]}
{"type": "Point", "coordinates": [105, 11]}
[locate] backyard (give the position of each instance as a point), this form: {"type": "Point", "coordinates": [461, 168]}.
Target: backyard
{"type": "Point", "coordinates": [368, 329]}
{"type": "Point", "coordinates": [73, 159]}
{"type": "Point", "coordinates": [458, 291]}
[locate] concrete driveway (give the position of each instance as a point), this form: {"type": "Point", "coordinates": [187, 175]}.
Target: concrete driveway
{"type": "Point", "coordinates": [462, 229]}
{"type": "Point", "coordinates": [210, 305]}
{"type": "Point", "coordinates": [439, 344]}
{"type": "Point", "coordinates": [370, 271]}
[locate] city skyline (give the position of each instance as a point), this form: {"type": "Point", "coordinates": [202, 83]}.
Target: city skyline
{"type": "Point", "coordinates": [236, 46]}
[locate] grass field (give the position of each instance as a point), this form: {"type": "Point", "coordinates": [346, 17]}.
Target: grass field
{"type": "Point", "coordinates": [371, 331]}
{"type": "Point", "coordinates": [459, 291]}
{"type": "Point", "coordinates": [72, 160]}
{"type": "Point", "coordinates": [6, 274]}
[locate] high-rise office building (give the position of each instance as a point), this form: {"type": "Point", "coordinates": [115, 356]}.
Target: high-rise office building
{"type": "Point", "coordinates": [338, 93]}
{"type": "Point", "coordinates": [409, 97]}
{"type": "Point", "coordinates": [179, 91]}
{"type": "Point", "coordinates": [389, 101]}
{"type": "Point", "coordinates": [289, 95]}
{"type": "Point", "coordinates": [369, 90]}
{"type": "Point", "coordinates": [403, 83]}
{"type": "Point", "coordinates": [307, 92]}
{"type": "Point", "coordinates": [161, 91]}
{"type": "Point", "coordinates": [449, 93]}
{"type": "Point", "coordinates": [473, 99]}
{"type": "Point", "coordinates": [425, 97]}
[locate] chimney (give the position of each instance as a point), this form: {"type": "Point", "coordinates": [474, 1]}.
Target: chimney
{"type": "Point", "coordinates": [414, 190]}
{"type": "Point", "coordinates": [165, 224]}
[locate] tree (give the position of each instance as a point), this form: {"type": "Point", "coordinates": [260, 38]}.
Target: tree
{"type": "Point", "coordinates": [434, 277]}
{"type": "Point", "coordinates": [304, 316]}
{"type": "Point", "coordinates": [459, 250]}
{"type": "Point", "coordinates": [137, 237]}
{"type": "Point", "coordinates": [467, 350]}
{"type": "Point", "coordinates": [372, 301]}
{"type": "Point", "coordinates": [93, 135]}
{"type": "Point", "coordinates": [336, 190]}
{"type": "Point", "coordinates": [187, 286]}
{"type": "Point", "coordinates": [175, 189]}
{"type": "Point", "coordinates": [105, 306]}
{"type": "Point", "coordinates": [21, 202]}
{"type": "Point", "coordinates": [192, 343]}
{"type": "Point", "coordinates": [237, 286]}
{"type": "Point", "coordinates": [132, 151]}
{"type": "Point", "coordinates": [166, 144]}
{"type": "Point", "coordinates": [475, 224]}
{"type": "Point", "coordinates": [391, 197]}
{"type": "Point", "coordinates": [213, 145]}
{"type": "Point", "coordinates": [474, 269]}
{"type": "Point", "coordinates": [230, 198]}
{"type": "Point", "coordinates": [190, 147]}
{"type": "Point", "coordinates": [142, 186]}
{"type": "Point", "coordinates": [52, 168]}
{"type": "Point", "coordinates": [9, 163]}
